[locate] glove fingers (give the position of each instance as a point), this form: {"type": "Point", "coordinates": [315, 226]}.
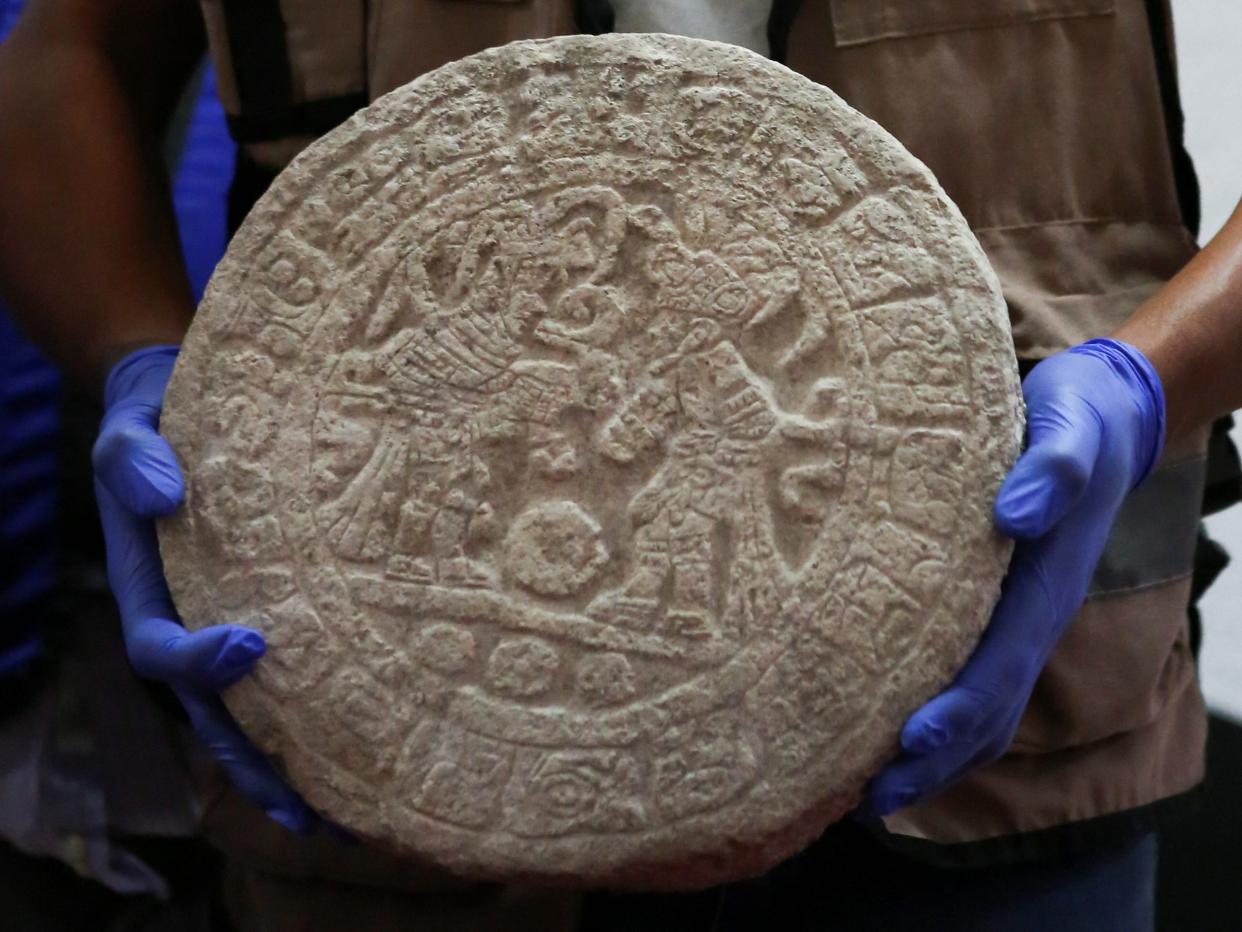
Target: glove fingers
{"type": "Point", "coordinates": [974, 719]}
{"type": "Point", "coordinates": [1003, 666]}
{"type": "Point", "coordinates": [915, 776]}
{"type": "Point", "coordinates": [245, 765]}
{"type": "Point", "coordinates": [208, 659]}
{"type": "Point", "coordinates": [135, 572]}
{"type": "Point", "coordinates": [137, 465]}
{"type": "Point", "coordinates": [912, 777]}
{"type": "Point", "coordinates": [951, 717]}
{"type": "Point", "coordinates": [1053, 472]}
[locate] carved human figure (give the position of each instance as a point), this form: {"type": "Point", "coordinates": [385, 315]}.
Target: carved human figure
{"type": "Point", "coordinates": [446, 510]}
{"type": "Point", "coordinates": [460, 517]}
{"type": "Point", "coordinates": [709, 461]}
{"type": "Point", "coordinates": [532, 411]}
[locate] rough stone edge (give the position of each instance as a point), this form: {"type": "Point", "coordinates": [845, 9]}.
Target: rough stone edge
{"type": "Point", "coordinates": [745, 858]}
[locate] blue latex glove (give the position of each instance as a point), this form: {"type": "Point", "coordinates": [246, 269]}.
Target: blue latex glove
{"type": "Point", "coordinates": [137, 479]}
{"type": "Point", "coordinates": [1095, 428]}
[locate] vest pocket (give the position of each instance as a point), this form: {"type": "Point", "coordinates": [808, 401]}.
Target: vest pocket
{"type": "Point", "coordinates": [1125, 658]}
{"type": "Point", "coordinates": [1122, 663]}
{"type": "Point", "coordinates": [856, 22]}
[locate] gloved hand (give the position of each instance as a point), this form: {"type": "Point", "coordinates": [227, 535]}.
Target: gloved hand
{"type": "Point", "coordinates": [137, 479]}
{"type": "Point", "coordinates": [1095, 428]}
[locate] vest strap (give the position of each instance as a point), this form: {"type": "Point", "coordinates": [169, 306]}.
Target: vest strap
{"type": "Point", "coordinates": [309, 118]}
{"type": "Point", "coordinates": [260, 54]}
{"type": "Point", "coordinates": [1153, 538]}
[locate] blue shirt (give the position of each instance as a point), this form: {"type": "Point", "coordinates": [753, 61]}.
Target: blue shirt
{"type": "Point", "coordinates": [29, 403]}
{"type": "Point", "coordinates": [29, 439]}
{"type": "Point", "coordinates": [30, 385]}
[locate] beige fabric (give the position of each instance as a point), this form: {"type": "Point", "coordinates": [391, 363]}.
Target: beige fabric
{"type": "Point", "coordinates": [1029, 792]}
{"type": "Point", "coordinates": [1067, 282]}
{"type": "Point", "coordinates": [222, 56]}
{"type": "Point", "coordinates": [1116, 720]}
{"type": "Point", "coordinates": [410, 37]}
{"type": "Point", "coordinates": [369, 48]}
{"type": "Point", "coordinates": [1043, 121]}
{"type": "Point", "coordinates": [860, 21]}
{"type": "Point", "coordinates": [326, 46]}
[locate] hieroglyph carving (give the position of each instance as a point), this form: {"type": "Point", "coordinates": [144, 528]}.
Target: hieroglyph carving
{"type": "Point", "coordinates": [602, 432]}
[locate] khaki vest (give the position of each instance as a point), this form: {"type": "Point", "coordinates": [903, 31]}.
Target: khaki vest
{"type": "Point", "coordinates": [1043, 119]}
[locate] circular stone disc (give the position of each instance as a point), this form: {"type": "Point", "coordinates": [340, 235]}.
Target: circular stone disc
{"type": "Point", "coordinates": [602, 432]}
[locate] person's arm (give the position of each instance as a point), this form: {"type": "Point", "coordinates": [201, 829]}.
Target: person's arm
{"type": "Point", "coordinates": [1097, 417]}
{"type": "Point", "coordinates": [90, 263]}
{"type": "Point", "coordinates": [1191, 330]}
{"type": "Point", "coordinates": [89, 256]}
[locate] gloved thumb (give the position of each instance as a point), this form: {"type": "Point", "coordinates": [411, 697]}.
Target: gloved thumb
{"type": "Point", "coordinates": [206, 660]}
{"type": "Point", "coordinates": [1051, 475]}
{"type": "Point", "coordinates": [136, 464]}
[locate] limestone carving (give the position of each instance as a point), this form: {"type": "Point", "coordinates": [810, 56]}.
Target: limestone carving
{"type": "Point", "coordinates": [603, 433]}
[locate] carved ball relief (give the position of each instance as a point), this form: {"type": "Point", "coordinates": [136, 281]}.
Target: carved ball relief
{"type": "Point", "coordinates": [603, 434]}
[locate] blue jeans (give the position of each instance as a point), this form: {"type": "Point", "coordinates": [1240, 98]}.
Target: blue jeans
{"type": "Point", "coordinates": [846, 881]}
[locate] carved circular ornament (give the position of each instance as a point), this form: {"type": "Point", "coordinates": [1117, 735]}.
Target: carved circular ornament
{"type": "Point", "coordinates": [602, 432]}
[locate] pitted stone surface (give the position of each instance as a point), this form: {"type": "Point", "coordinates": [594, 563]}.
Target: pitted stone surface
{"type": "Point", "coordinates": [603, 433]}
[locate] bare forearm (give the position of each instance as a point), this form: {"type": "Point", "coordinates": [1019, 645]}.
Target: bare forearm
{"type": "Point", "coordinates": [90, 259]}
{"type": "Point", "coordinates": [1191, 330]}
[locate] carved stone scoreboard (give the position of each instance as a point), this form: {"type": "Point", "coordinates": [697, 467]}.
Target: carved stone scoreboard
{"type": "Point", "coordinates": [603, 433]}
